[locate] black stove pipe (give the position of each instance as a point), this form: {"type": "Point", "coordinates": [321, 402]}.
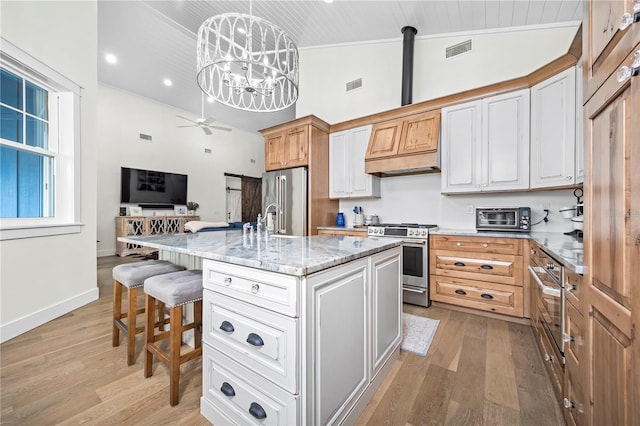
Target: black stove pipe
{"type": "Point", "coordinates": [407, 64]}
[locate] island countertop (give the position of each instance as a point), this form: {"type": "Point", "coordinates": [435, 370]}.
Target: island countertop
{"type": "Point", "coordinates": [297, 256]}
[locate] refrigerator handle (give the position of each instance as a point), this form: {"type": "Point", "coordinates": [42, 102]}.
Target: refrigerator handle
{"type": "Point", "coordinates": [283, 204]}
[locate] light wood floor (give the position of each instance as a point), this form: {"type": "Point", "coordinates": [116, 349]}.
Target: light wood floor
{"type": "Point", "coordinates": [478, 371]}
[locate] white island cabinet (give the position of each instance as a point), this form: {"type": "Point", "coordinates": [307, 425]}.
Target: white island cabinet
{"type": "Point", "coordinates": [282, 349]}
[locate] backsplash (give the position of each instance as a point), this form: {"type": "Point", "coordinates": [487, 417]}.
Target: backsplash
{"type": "Point", "coordinates": [417, 198]}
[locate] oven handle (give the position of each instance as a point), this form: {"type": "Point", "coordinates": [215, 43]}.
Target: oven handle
{"type": "Point", "coordinates": [534, 270]}
{"type": "Point", "coordinates": [413, 290]}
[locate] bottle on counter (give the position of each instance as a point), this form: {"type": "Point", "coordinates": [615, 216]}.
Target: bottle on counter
{"type": "Point", "coordinates": [340, 219]}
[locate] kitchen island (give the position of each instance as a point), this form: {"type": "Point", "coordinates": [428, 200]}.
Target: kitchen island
{"type": "Point", "coordinates": [296, 330]}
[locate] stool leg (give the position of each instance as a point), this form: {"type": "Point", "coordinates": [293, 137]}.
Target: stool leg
{"type": "Point", "coordinates": [131, 325]}
{"type": "Point", "coordinates": [149, 334]}
{"type": "Point", "coordinates": [117, 311]}
{"type": "Point", "coordinates": [197, 320]}
{"type": "Point", "coordinates": [175, 341]}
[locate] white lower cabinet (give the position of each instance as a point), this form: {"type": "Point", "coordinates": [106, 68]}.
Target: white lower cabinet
{"type": "Point", "coordinates": [317, 365]}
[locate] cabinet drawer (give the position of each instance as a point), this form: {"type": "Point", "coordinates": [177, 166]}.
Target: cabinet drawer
{"type": "Point", "coordinates": [261, 340]}
{"type": "Point", "coordinates": [550, 355]}
{"type": "Point", "coordinates": [497, 268]}
{"type": "Point", "coordinates": [500, 298]}
{"type": "Point", "coordinates": [574, 348]}
{"type": "Point", "coordinates": [574, 410]}
{"type": "Point", "coordinates": [243, 396]}
{"type": "Point", "coordinates": [573, 288]}
{"type": "Point", "coordinates": [477, 244]}
{"type": "Point", "coordinates": [269, 290]}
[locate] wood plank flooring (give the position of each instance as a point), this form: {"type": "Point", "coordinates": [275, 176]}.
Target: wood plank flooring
{"type": "Point", "coordinates": [479, 371]}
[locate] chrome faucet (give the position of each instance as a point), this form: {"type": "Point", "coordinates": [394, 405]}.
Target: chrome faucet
{"type": "Point", "coordinates": [266, 210]}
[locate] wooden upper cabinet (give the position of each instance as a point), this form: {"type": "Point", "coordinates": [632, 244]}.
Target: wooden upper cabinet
{"type": "Point", "coordinates": [286, 149]}
{"type": "Point", "coordinates": [420, 133]}
{"type": "Point", "coordinates": [413, 135]}
{"type": "Point", "coordinates": [385, 139]}
{"type": "Point", "coordinates": [606, 45]}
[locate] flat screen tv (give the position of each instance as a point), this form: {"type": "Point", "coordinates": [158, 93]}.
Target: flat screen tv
{"type": "Point", "coordinates": [151, 187]}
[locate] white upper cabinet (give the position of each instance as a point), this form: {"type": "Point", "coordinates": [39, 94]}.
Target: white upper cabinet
{"type": "Point", "coordinates": [485, 144]}
{"type": "Point", "coordinates": [553, 132]}
{"type": "Point", "coordinates": [347, 178]}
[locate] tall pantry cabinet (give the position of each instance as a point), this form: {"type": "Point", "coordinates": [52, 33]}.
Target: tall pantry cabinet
{"type": "Point", "coordinates": [612, 233]}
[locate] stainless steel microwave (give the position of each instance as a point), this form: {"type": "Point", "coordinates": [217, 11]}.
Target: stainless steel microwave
{"type": "Point", "coordinates": [512, 219]}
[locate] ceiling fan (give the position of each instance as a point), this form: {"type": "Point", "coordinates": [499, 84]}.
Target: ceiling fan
{"type": "Point", "coordinates": [203, 123]}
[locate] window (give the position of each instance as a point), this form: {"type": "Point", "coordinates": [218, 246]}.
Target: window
{"type": "Point", "coordinates": [39, 142]}
{"type": "Point", "coordinates": [27, 162]}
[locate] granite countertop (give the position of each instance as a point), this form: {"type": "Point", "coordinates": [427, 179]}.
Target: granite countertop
{"type": "Point", "coordinates": [343, 228]}
{"type": "Point", "coordinates": [564, 248]}
{"type": "Point", "coordinates": [297, 256]}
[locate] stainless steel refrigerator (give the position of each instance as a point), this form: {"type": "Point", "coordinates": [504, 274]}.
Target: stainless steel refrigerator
{"type": "Point", "coordinates": [288, 189]}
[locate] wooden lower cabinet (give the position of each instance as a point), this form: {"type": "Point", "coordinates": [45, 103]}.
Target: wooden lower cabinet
{"type": "Point", "coordinates": [574, 401]}
{"type": "Point", "coordinates": [349, 233]}
{"type": "Point", "coordinates": [484, 273]}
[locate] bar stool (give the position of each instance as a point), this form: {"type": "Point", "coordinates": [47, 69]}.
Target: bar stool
{"type": "Point", "coordinates": [131, 276]}
{"type": "Point", "coordinates": [173, 290]}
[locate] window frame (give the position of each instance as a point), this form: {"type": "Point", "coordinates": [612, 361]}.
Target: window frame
{"type": "Point", "coordinates": [64, 142]}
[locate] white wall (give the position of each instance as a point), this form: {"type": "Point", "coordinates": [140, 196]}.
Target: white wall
{"type": "Point", "coordinates": [496, 57]}
{"type": "Point", "coordinates": [42, 278]}
{"type": "Point", "coordinates": [123, 115]}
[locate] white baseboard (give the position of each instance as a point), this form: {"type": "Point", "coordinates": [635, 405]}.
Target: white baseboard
{"type": "Point", "coordinates": [29, 322]}
{"type": "Point", "coordinates": [106, 252]}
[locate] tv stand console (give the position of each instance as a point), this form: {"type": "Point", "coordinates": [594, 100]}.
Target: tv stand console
{"type": "Point", "coordinates": [147, 225]}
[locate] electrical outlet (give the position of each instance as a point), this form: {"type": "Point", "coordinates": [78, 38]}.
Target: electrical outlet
{"type": "Point", "coordinates": [470, 210]}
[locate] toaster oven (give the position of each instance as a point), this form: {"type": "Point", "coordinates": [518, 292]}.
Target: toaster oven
{"type": "Point", "coordinates": [512, 219]}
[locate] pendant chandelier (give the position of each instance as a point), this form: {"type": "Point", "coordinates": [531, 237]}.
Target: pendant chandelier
{"type": "Point", "coordinates": [246, 62]}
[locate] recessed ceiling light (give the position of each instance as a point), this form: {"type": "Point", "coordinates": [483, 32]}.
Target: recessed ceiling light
{"type": "Point", "coordinates": [210, 99]}
{"type": "Point", "coordinates": [111, 58]}
{"type": "Point", "coordinates": [328, 1]}
{"type": "Point", "coordinates": [167, 82]}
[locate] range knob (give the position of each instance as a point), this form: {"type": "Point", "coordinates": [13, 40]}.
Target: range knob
{"type": "Point", "coordinates": [410, 232]}
{"type": "Point", "coordinates": [424, 233]}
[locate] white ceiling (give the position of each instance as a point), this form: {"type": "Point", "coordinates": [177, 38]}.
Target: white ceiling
{"type": "Point", "coordinates": [154, 40]}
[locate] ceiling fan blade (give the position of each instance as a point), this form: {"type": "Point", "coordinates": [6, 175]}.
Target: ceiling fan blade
{"type": "Point", "coordinates": [188, 119]}
{"type": "Point", "coordinates": [207, 131]}
{"type": "Point", "coordinates": [226, 129]}
{"type": "Point", "coordinates": [209, 120]}
{"type": "Point", "coordinates": [190, 125]}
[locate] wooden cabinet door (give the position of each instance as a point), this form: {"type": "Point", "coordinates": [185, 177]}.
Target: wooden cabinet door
{"type": "Point", "coordinates": [385, 139]}
{"type": "Point", "coordinates": [274, 151]}
{"type": "Point", "coordinates": [553, 126]}
{"type": "Point", "coordinates": [605, 45]}
{"type": "Point", "coordinates": [612, 248]}
{"type": "Point", "coordinates": [420, 133]}
{"type": "Point", "coordinates": [296, 147]}
{"type": "Point", "coordinates": [460, 150]}
{"type": "Point", "coordinates": [505, 141]}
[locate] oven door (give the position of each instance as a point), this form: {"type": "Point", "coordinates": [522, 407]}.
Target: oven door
{"type": "Point", "coordinates": [500, 219]}
{"type": "Point", "coordinates": [551, 304]}
{"type": "Point", "coordinates": [415, 273]}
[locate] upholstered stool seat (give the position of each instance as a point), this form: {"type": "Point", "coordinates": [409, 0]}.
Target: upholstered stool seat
{"type": "Point", "coordinates": [131, 276]}
{"type": "Point", "coordinates": [172, 290]}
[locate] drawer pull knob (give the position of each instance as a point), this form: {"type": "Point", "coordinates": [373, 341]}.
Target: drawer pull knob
{"type": "Point", "coordinates": [459, 264]}
{"type": "Point", "coordinates": [485, 245]}
{"type": "Point", "coordinates": [227, 389]}
{"type": "Point", "coordinates": [227, 326]}
{"type": "Point", "coordinates": [462, 292]}
{"type": "Point", "coordinates": [548, 358]}
{"type": "Point", "coordinates": [568, 403]}
{"type": "Point", "coordinates": [487, 267]}
{"type": "Point", "coordinates": [227, 281]}
{"type": "Point", "coordinates": [255, 340]}
{"type": "Point", "coordinates": [486, 296]}
{"type": "Point", "coordinates": [458, 244]}
{"type": "Point", "coordinates": [255, 288]}
{"type": "Point", "coordinates": [257, 411]}
{"type": "Point", "coordinates": [566, 337]}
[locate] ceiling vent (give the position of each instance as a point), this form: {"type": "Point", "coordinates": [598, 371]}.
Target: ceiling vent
{"type": "Point", "coordinates": [352, 85]}
{"type": "Point", "coordinates": [145, 137]}
{"type": "Point", "coordinates": [458, 49]}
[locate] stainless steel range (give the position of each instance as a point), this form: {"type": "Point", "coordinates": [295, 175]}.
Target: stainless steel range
{"type": "Point", "coordinates": [415, 258]}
